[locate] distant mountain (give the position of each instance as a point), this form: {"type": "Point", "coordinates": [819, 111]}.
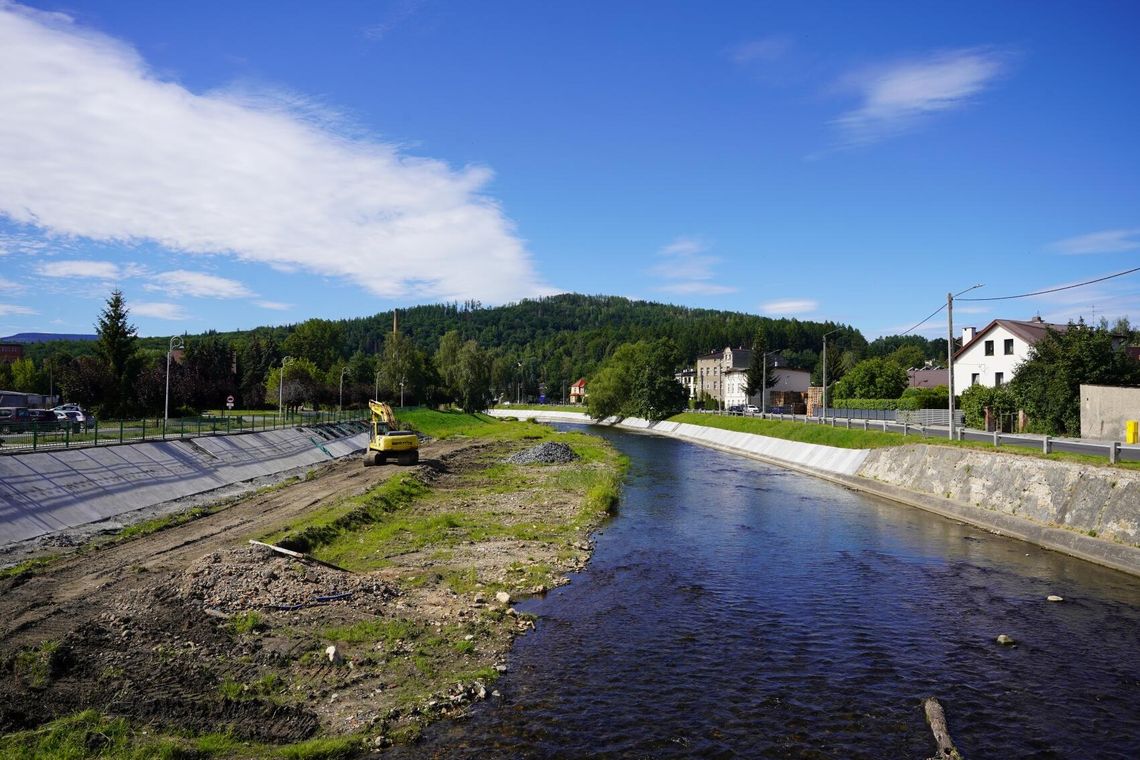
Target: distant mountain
{"type": "Point", "coordinates": [45, 337]}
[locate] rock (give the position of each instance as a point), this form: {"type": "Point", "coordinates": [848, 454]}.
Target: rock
{"type": "Point", "coordinates": [335, 657]}
{"type": "Point", "coordinates": [1054, 598]}
{"type": "Point", "coordinates": [545, 453]}
{"type": "Point", "coordinates": [502, 597]}
{"type": "Point", "coordinates": [1005, 640]}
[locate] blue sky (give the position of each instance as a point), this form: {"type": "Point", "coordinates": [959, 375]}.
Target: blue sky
{"type": "Point", "coordinates": [229, 165]}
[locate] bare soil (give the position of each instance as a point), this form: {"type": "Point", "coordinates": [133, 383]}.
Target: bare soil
{"type": "Point", "coordinates": [193, 630]}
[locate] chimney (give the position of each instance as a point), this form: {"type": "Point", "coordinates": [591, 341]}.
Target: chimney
{"type": "Point", "coordinates": [967, 335]}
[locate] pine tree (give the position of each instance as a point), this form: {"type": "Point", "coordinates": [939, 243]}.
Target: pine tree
{"type": "Point", "coordinates": [116, 347]}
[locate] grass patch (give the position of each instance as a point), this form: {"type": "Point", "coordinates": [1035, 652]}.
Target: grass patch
{"type": "Point", "coordinates": [247, 622]}
{"type": "Point", "coordinates": [871, 439]}
{"type": "Point", "coordinates": [29, 567]}
{"type": "Point", "coordinates": [89, 734]}
{"type": "Point", "coordinates": [324, 748]}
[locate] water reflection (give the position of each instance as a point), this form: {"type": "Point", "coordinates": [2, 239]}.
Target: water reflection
{"type": "Point", "coordinates": [738, 610]}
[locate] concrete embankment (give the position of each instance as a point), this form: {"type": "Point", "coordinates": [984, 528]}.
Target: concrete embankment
{"type": "Point", "coordinates": [48, 491]}
{"type": "Point", "coordinates": [1086, 511]}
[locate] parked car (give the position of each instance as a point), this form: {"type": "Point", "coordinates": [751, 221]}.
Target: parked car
{"type": "Point", "coordinates": [70, 419]}
{"type": "Point", "coordinates": [20, 419]}
{"type": "Point", "coordinates": [752, 409]}
{"type": "Point", "coordinates": [76, 414]}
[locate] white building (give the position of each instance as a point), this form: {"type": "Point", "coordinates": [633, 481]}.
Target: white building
{"type": "Point", "coordinates": [990, 357]}
{"type": "Point", "coordinates": [783, 379]}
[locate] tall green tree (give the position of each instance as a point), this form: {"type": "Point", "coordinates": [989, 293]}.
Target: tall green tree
{"type": "Point", "coordinates": [318, 340]}
{"type": "Point", "coordinates": [756, 369]}
{"type": "Point", "coordinates": [403, 363]}
{"type": "Point", "coordinates": [1047, 384]}
{"type": "Point", "coordinates": [638, 381]}
{"type": "Point", "coordinates": [117, 349]}
{"type": "Point", "coordinates": [872, 378]}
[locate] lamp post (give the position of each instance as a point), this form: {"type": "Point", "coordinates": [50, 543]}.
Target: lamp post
{"type": "Point", "coordinates": [281, 386]}
{"type": "Point", "coordinates": [764, 383]}
{"type": "Point", "coordinates": [175, 343]}
{"type": "Point", "coordinates": [518, 388]}
{"type": "Point", "coordinates": [376, 389]}
{"type": "Point", "coordinates": [825, 373]}
{"type": "Point", "coordinates": [950, 352]}
{"type": "Point", "coordinates": [340, 407]}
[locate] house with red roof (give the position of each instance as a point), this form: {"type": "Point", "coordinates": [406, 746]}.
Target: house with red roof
{"type": "Point", "coordinates": [990, 356]}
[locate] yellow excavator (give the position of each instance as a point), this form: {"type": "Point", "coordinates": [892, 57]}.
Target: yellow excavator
{"type": "Point", "coordinates": [387, 441]}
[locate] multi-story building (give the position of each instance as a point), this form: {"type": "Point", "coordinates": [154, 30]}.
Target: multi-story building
{"type": "Point", "coordinates": [723, 375]}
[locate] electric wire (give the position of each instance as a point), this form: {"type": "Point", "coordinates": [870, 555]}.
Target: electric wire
{"type": "Point", "coordinates": [1054, 290]}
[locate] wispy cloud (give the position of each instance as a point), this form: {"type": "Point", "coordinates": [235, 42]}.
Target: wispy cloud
{"type": "Point", "coordinates": [158, 310]}
{"type": "Point", "coordinates": [399, 13]}
{"type": "Point", "coordinates": [790, 306]}
{"type": "Point", "coordinates": [88, 270]}
{"type": "Point", "coordinates": [1106, 241]}
{"type": "Point", "coordinates": [97, 145]}
{"type": "Point", "coordinates": [899, 96]}
{"type": "Point", "coordinates": [7, 309]}
{"type": "Point", "coordinates": [197, 284]}
{"type": "Point", "coordinates": [764, 49]}
{"type": "Point", "coordinates": [686, 270]}
{"type": "Point", "coordinates": [273, 305]}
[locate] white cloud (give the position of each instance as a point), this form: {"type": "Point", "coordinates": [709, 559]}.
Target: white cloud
{"type": "Point", "coordinates": [790, 306]}
{"type": "Point", "coordinates": [764, 49]}
{"type": "Point", "coordinates": [896, 97]}
{"type": "Point", "coordinates": [686, 271]}
{"type": "Point", "coordinates": [96, 145]}
{"type": "Point", "coordinates": [273, 305]}
{"type": "Point", "coordinates": [158, 310]}
{"type": "Point", "coordinates": [7, 309]}
{"type": "Point", "coordinates": [82, 269]}
{"type": "Point", "coordinates": [1106, 241]}
{"type": "Point", "coordinates": [197, 284]}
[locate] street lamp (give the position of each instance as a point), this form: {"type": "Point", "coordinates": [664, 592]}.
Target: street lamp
{"type": "Point", "coordinates": [518, 388]}
{"type": "Point", "coordinates": [376, 390]}
{"type": "Point", "coordinates": [342, 373]}
{"type": "Point", "coordinates": [825, 374]}
{"type": "Point", "coordinates": [950, 352]}
{"type": "Point", "coordinates": [402, 379]}
{"type": "Point", "coordinates": [175, 343]}
{"type": "Point", "coordinates": [281, 386]}
{"type": "Point", "coordinates": [764, 383]}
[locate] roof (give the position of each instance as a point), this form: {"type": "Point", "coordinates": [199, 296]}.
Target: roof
{"type": "Point", "coordinates": [581, 383]}
{"type": "Point", "coordinates": [1029, 331]}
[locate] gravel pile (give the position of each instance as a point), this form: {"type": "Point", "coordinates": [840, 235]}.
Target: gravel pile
{"type": "Point", "coordinates": [545, 453]}
{"type": "Point", "coordinates": [256, 578]}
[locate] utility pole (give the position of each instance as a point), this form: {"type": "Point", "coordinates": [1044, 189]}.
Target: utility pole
{"type": "Point", "coordinates": [950, 352]}
{"type": "Point", "coordinates": [825, 374]}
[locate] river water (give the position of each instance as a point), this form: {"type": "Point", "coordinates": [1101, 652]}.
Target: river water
{"type": "Point", "coordinates": [733, 609]}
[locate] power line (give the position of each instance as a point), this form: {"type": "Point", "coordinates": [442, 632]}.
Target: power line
{"type": "Point", "coordinates": [1051, 290]}
{"type": "Point", "coordinates": [923, 322]}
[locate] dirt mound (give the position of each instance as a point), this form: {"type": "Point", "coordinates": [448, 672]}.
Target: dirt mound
{"type": "Point", "coordinates": [254, 577]}
{"type": "Point", "coordinates": [544, 453]}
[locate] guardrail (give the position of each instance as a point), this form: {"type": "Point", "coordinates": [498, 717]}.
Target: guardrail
{"type": "Point", "coordinates": [1114, 451]}
{"type": "Point", "coordinates": [117, 432]}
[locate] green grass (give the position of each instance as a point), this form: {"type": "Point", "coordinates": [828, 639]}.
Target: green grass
{"type": "Point", "coordinates": [89, 734]}
{"type": "Point", "coordinates": [247, 622]}
{"type": "Point", "coordinates": [841, 437]}
{"type": "Point", "coordinates": [29, 566]}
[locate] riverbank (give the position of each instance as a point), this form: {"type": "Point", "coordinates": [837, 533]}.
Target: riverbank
{"type": "Point", "coordinates": [1080, 509]}
{"type": "Point", "coordinates": [399, 612]}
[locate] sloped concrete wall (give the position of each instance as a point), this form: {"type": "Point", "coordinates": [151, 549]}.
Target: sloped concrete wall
{"type": "Point", "coordinates": [44, 492]}
{"type": "Point", "coordinates": [823, 458]}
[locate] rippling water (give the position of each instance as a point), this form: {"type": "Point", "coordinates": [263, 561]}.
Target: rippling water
{"type": "Point", "coordinates": [738, 610]}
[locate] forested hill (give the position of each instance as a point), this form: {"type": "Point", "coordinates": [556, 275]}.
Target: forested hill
{"type": "Point", "coordinates": [553, 340]}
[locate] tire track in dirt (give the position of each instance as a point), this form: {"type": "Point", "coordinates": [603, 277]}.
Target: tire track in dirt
{"type": "Point", "coordinates": [42, 605]}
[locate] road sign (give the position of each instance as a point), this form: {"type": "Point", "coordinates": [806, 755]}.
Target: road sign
{"type": "Point", "coordinates": [229, 402]}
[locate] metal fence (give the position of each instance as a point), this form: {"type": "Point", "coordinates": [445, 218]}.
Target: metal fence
{"type": "Point", "coordinates": [115, 432]}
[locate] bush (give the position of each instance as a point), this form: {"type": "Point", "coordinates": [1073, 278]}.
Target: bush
{"type": "Point", "coordinates": [976, 398]}
{"type": "Point", "coordinates": [877, 404]}
{"type": "Point", "coordinates": [929, 398]}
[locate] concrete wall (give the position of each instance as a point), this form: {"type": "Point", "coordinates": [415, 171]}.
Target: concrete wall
{"type": "Point", "coordinates": [44, 492]}
{"type": "Point", "coordinates": [1105, 409]}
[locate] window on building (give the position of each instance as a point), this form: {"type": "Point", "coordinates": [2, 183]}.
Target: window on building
{"type": "Point", "coordinates": [974, 377]}
{"type": "Point", "coordinates": [999, 379]}
{"type": "Point", "coordinates": [1009, 346]}
{"type": "Point", "coordinates": [989, 348]}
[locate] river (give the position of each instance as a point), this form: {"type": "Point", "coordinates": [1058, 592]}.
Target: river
{"type": "Point", "coordinates": [733, 609]}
